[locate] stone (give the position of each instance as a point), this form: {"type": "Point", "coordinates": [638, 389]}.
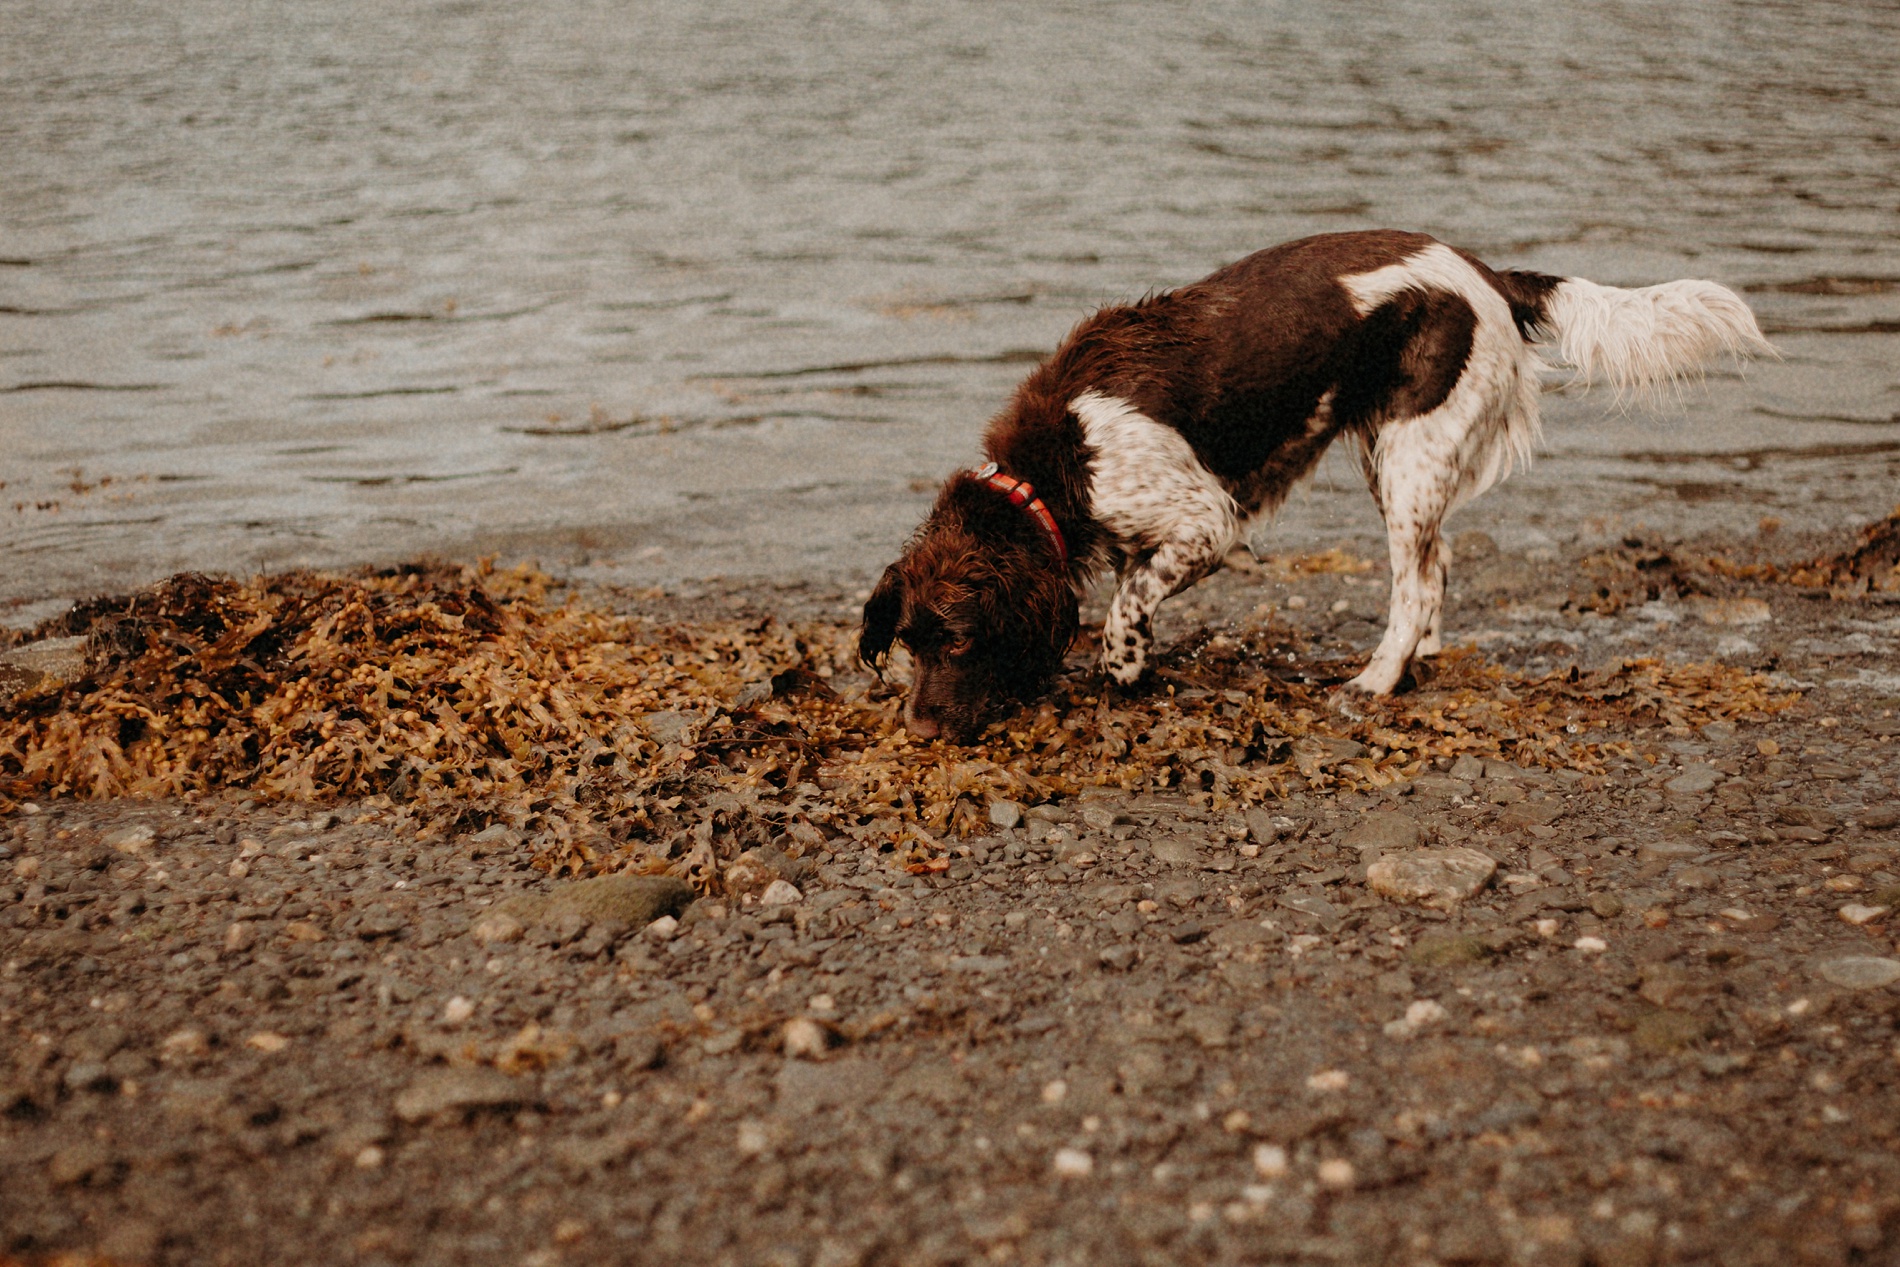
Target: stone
{"type": "Point", "coordinates": [1270, 1162]}
{"type": "Point", "coordinates": [1176, 852]}
{"type": "Point", "coordinates": [1696, 778]}
{"type": "Point", "coordinates": [1859, 972]}
{"type": "Point", "coordinates": [1376, 834]}
{"type": "Point", "coordinates": [1731, 611]}
{"type": "Point", "coordinates": [1261, 828]}
{"type": "Point", "coordinates": [1311, 904]}
{"type": "Point", "coordinates": [1420, 1015]}
{"type": "Point", "coordinates": [1606, 905]}
{"type": "Point", "coordinates": [1527, 814]}
{"type": "Point", "coordinates": [1431, 877]}
{"type": "Point", "coordinates": [443, 1092]}
{"type": "Point", "coordinates": [1467, 767]}
{"type": "Point", "coordinates": [132, 840]}
{"type": "Point", "coordinates": [497, 927]}
{"type": "Point", "coordinates": [1335, 1172]}
{"type": "Point", "coordinates": [1073, 1163]}
{"type": "Point", "coordinates": [804, 1038]}
{"type": "Point", "coordinates": [1669, 850]}
{"type": "Point", "coordinates": [620, 903]}
{"type": "Point", "coordinates": [45, 665]}
{"type": "Point", "coordinates": [780, 893]}
{"type": "Point", "coordinates": [1006, 814]}
{"type": "Point", "coordinates": [1855, 913]}
{"type": "Point", "coordinates": [1119, 958]}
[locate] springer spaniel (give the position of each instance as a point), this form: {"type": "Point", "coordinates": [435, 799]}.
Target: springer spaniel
{"type": "Point", "coordinates": [1160, 428]}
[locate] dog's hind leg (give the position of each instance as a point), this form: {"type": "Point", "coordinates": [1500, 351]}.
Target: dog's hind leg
{"type": "Point", "coordinates": [1417, 477]}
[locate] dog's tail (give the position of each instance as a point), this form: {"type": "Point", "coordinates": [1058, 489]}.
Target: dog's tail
{"type": "Point", "coordinates": [1643, 341]}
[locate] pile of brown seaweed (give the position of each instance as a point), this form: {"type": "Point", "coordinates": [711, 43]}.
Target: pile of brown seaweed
{"type": "Point", "coordinates": [473, 697]}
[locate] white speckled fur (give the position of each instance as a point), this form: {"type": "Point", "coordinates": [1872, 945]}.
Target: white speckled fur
{"type": "Point", "coordinates": [1420, 469]}
{"type": "Point", "coordinates": [1171, 520]}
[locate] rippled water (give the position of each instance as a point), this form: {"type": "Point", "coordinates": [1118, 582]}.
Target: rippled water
{"type": "Point", "coordinates": [663, 290]}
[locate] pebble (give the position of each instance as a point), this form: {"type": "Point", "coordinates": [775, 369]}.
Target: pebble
{"type": "Point", "coordinates": [1855, 913]}
{"type": "Point", "coordinates": [1176, 852]}
{"type": "Point", "coordinates": [780, 893]}
{"type": "Point", "coordinates": [267, 1042]}
{"type": "Point", "coordinates": [1006, 814]}
{"type": "Point", "coordinates": [1696, 778]}
{"type": "Point", "coordinates": [1073, 1163]}
{"type": "Point", "coordinates": [442, 1091]}
{"type": "Point", "coordinates": [1270, 1161]}
{"type": "Point", "coordinates": [1431, 877]}
{"type": "Point", "coordinates": [1591, 945]}
{"type": "Point", "coordinates": [1376, 834]}
{"type": "Point", "coordinates": [664, 928]}
{"type": "Point", "coordinates": [803, 1038]}
{"type": "Point", "coordinates": [1336, 1172]}
{"type": "Point", "coordinates": [132, 840]}
{"type": "Point", "coordinates": [1121, 958]}
{"type": "Point", "coordinates": [1329, 1080]}
{"type": "Point", "coordinates": [1420, 1015]}
{"type": "Point", "coordinates": [42, 665]}
{"type": "Point", "coordinates": [458, 1009]}
{"type": "Point", "coordinates": [1859, 972]}
{"type": "Point", "coordinates": [1668, 850]}
{"type": "Point", "coordinates": [497, 926]}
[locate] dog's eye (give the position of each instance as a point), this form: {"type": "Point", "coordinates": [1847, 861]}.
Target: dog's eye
{"type": "Point", "coordinates": [957, 647]}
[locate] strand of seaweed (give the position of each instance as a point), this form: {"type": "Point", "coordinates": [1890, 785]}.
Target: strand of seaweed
{"type": "Point", "coordinates": [471, 697]}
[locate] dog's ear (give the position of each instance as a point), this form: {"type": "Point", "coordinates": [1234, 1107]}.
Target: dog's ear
{"type": "Point", "coordinates": [881, 613]}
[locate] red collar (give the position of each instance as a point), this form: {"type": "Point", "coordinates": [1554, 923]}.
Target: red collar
{"type": "Point", "coordinates": [1023, 493]}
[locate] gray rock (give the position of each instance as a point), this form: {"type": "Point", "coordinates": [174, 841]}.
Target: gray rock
{"type": "Point", "coordinates": [1467, 767]}
{"type": "Point", "coordinates": [1119, 958]}
{"type": "Point", "coordinates": [1859, 972]}
{"type": "Point", "coordinates": [1311, 904]}
{"type": "Point", "coordinates": [617, 902]}
{"type": "Point", "coordinates": [41, 666]}
{"type": "Point", "coordinates": [1376, 834]}
{"type": "Point", "coordinates": [1696, 778]}
{"type": "Point", "coordinates": [1176, 852]}
{"type": "Point", "coordinates": [1005, 814]}
{"type": "Point", "coordinates": [1261, 827]}
{"type": "Point", "coordinates": [440, 1092]}
{"type": "Point", "coordinates": [1657, 850]}
{"type": "Point", "coordinates": [1431, 877]}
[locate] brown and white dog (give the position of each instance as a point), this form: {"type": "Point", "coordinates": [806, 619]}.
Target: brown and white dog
{"type": "Point", "coordinates": [1159, 429]}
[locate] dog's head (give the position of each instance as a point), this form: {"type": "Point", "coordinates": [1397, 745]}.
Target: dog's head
{"type": "Point", "coordinates": [985, 609]}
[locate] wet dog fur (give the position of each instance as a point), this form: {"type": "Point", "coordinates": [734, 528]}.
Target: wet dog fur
{"type": "Point", "coordinates": [1158, 430]}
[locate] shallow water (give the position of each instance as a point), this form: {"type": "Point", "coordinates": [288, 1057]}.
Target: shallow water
{"type": "Point", "coordinates": [655, 292]}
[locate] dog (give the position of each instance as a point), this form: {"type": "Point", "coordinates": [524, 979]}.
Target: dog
{"type": "Point", "coordinates": [1159, 429]}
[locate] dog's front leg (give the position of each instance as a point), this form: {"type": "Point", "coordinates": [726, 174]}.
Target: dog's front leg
{"type": "Point", "coordinates": [1129, 630]}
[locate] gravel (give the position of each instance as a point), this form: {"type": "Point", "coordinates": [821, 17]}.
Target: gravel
{"type": "Point", "coordinates": [1197, 1035]}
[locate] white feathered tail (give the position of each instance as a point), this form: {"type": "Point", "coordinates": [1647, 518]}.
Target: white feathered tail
{"type": "Point", "coordinates": [1650, 339]}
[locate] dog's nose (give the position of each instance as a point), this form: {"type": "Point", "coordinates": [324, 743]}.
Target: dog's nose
{"type": "Point", "coordinates": [922, 727]}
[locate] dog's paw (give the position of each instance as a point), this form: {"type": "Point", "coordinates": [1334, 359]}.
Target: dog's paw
{"type": "Point", "coordinates": [1124, 671]}
{"type": "Point", "coordinates": [1351, 701]}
